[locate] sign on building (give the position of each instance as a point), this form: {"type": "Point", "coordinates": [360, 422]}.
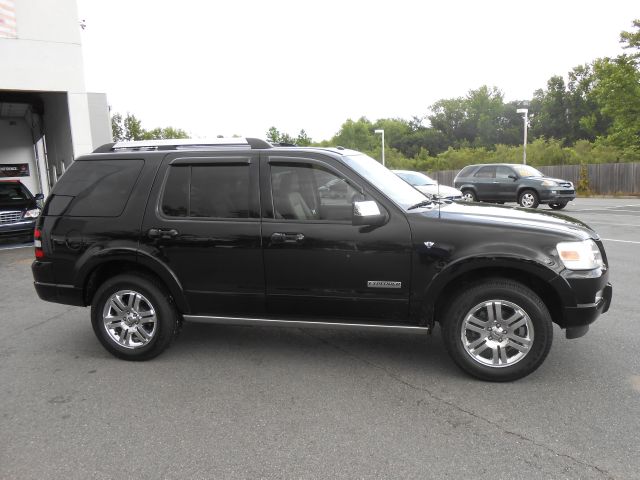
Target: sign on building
{"type": "Point", "coordinates": [8, 19]}
{"type": "Point", "coordinates": [14, 170]}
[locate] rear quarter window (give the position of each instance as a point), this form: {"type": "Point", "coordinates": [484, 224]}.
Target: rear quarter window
{"type": "Point", "coordinates": [96, 188]}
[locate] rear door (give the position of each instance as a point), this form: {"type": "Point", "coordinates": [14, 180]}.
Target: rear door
{"type": "Point", "coordinates": [203, 223]}
{"type": "Point", "coordinates": [485, 183]}
{"type": "Point", "coordinates": [316, 262]}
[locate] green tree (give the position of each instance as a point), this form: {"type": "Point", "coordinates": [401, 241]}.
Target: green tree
{"type": "Point", "coordinates": [130, 128]}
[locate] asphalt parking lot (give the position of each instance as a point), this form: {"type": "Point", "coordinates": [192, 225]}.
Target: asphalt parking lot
{"type": "Point", "coordinates": [241, 402]}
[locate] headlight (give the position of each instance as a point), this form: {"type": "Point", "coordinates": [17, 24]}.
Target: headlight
{"type": "Point", "coordinates": [32, 213]}
{"type": "Point", "coordinates": [549, 183]}
{"type": "Point", "coordinates": [580, 255]}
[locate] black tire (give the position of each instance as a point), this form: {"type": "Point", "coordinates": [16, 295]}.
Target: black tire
{"type": "Point", "coordinates": [557, 206]}
{"type": "Point", "coordinates": [147, 338]}
{"type": "Point", "coordinates": [469, 195]}
{"type": "Point", "coordinates": [464, 319]}
{"type": "Point", "coordinates": [528, 199]}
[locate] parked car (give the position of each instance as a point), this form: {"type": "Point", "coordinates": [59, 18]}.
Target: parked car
{"type": "Point", "coordinates": [151, 234]}
{"type": "Point", "coordinates": [427, 185]}
{"type": "Point", "coordinates": [504, 182]}
{"type": "Point", "coordinates": [18, 210]}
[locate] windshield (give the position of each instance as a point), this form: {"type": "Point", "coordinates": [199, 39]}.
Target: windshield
{"type": "Point", "coordinates": [11, 193]}
{"type": "Point", "coordinates": [399, 191]}
{"type": "Point", "coordinates": [527, 171]}
{"type": "Point", "coordinates": [416, 179]}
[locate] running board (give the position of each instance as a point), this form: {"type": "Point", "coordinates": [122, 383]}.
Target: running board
{"type": "Point", "coordinates": [268, 322]}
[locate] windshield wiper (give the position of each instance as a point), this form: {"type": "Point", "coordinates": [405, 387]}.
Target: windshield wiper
{"type": "Point", "coordinates": [423, 203]}
{"type": "Point", "coordinates": [433, 199]}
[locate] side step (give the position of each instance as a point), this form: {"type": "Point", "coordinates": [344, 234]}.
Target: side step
{"type": "Point", "coordinates": [268, 322]}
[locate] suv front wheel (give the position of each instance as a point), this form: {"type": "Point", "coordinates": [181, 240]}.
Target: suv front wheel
{"type": "Point", "coordinates": [529, 199]}
{"type": "Point", "coordinates": [133, 317]}
{"type": "Point", "coordinates": [498, 330]}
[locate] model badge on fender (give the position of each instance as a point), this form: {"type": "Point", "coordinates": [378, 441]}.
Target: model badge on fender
{"type": "Point", "coordinates": [383, 284]}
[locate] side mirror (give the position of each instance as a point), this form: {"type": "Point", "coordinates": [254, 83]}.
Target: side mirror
{"type": "Point", "coordinates": [367, 213]}
{"type": "Point", "coordinates": [513, 177]}
{"type": "Point", "coordinates": [39, 196]}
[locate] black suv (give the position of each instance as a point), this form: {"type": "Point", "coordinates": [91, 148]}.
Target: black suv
{"type": "Point", "coordinates": [504, 182]}
{"type": "Point", "coordinates": [151, 234]}
{"type": "Point", "coordinates": [18, 210]}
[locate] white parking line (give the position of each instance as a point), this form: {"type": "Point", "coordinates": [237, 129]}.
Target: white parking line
{"type": "Point", "coordinates": [17, 246]}
{"type": "Point", "coordinates": [591, 222]}
{"type": "Point", "coordinates": [621, 241]}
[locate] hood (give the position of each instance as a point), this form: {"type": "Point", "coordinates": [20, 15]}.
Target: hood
{"type": "Point", "coordinates": [518, 218]}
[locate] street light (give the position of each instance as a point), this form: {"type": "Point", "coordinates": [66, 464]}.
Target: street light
{"type": "Point", "coordinates": [525, 117]}
{"type": "Point", "coordinates": [382, 132]}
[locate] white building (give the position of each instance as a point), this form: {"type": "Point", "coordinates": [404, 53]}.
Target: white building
{"type": "Point", "coordinates": [47, 118]}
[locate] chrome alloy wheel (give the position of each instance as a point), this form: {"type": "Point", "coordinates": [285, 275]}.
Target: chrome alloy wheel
{"type": "Point", "coordinates": [527, 200]}
{"type": "Point", "coordinates": [129, 319]}
{"type": "Point", "coordinates": [468, 197]}
{"type": "Point", "coordinates": [497, 333]}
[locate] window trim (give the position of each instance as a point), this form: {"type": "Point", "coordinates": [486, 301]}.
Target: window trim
{"type": "Point", "coordinates": [282, 160]}
{"type": "Point", "coordinates": [188, 162]}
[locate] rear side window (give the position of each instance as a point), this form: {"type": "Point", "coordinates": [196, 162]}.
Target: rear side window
{"type": "Point", "coordinates": [486, 172]}
{"type": "Point", "coordinates": [466, 171]}
{"type": "Point", "coordinates": [97, 188]}
{"type": "Point", "coordinates": [207, 191]}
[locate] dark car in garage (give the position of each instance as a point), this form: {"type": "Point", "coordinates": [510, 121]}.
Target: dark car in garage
{"type": "Point", "coordinates": [18, 210]}
{"type": "Point", "coordinates": [505, 182]}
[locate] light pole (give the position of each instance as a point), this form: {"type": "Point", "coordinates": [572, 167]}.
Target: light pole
{"type": "Point", "coordinates": [381, 132]}
{"type": "Point", "coordinates": [525, 117]}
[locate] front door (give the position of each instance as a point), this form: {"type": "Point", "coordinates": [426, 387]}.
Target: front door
{"type": "Point", "coordinates": [203, 222]}
{"type": "Point", "coordinates": [316, 262]}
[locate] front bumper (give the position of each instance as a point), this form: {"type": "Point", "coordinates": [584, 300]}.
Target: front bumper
{"type": "Point", "coordinates": [557, 196]}
{"type": "Point", "coordinates": [577, 319]}
{"type": "Point", "coordinates": [16, 229]}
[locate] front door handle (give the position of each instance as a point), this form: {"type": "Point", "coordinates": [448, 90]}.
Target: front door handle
{"type": "Point", "coordinates": [279, 237]}
{"type": "Point", "coordinates": [162, 233]}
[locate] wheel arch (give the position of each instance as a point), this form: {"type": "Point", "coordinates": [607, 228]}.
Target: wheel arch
{"type": "Point", "coordinates": [447, 285]}
{"type": "Point", "coordinates": [111, 262]}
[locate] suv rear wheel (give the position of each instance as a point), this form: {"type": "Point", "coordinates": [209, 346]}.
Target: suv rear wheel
{"type": "Point", "coordinates": [498, 330]}
{"type": "Point", "coordinates": [133, 317]}
{"type": "Point", "coordinates": [529, 199]}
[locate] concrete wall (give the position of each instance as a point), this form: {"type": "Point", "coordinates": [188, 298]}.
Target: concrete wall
{"type": "Point", "coordinates": [16, 147]}
{"type": "Point", "coordinates": [100, 119]}
{"type": "Point", "coordinates": [47, 55]}
{"type": "Point", "coordinates": [58, 135]}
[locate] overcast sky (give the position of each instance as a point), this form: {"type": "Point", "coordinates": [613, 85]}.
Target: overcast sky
{"type": "Point", "coordinates": [241, 66]}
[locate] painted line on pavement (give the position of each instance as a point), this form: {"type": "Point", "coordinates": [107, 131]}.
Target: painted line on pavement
{"type": "Point", "coordinates": [15, 247]}
{"type": "Point", "coordinates": [621, 241]}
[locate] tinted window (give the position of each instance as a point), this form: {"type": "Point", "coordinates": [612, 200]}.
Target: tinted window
{"type": "Point", "coordinates": [211, 191]}
{"type": "Point", "coordinates": [503, 172]}
{"type": "Point", "coordinates": [98, 188]}
{"type": "Point", "coordinates": [466, 171]}
{"type": "Point", "coordinates": [11, 193]}
{"type": "Point", "coordinates": [175, 201]}
{"type": "Point", "coordinates": [310, 192]}
{"type": "Point", "coordinates": [486, 172]}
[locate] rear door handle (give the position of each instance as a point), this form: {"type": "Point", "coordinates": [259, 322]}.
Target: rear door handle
{"type": "Point", "coordinates": [162, 233]}
{"type": "Point", "coordinates": [279, 237]}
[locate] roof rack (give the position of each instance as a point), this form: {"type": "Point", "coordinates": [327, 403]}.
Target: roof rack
{"type": "Point", "coordinates": [183, 144]}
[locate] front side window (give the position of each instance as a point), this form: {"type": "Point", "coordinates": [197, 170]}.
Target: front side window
{"type": "Point", "coordinates": [207, 191]}
{"type": "Point", "coordinates": [310, 192]}
{"type": "Point", "coordinates": [503, 172]}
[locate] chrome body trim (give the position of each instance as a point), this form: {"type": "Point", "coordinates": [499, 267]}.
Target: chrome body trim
{"type": "Point", "coordinates": [269, 322]}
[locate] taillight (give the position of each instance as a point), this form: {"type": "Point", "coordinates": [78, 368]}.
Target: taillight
{"type": "Point", "coordinates": [37, 243]}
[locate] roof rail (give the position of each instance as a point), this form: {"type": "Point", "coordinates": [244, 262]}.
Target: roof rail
{"type": "Point", "coordinates": [183, 144]}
